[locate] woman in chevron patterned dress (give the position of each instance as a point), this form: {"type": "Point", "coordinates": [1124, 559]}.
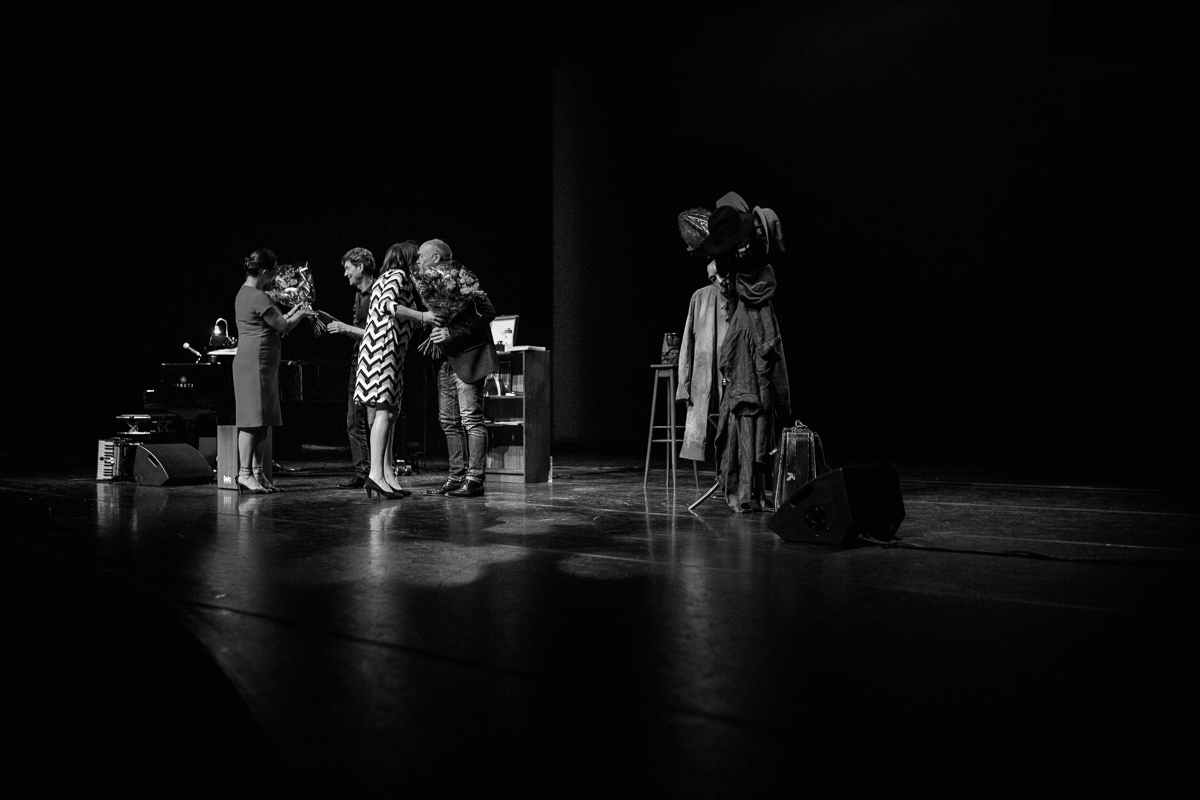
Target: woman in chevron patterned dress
{"type": "Point", "coordinates": [379, 381]}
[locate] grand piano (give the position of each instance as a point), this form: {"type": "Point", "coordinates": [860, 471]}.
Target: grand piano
{"type": "Point", "coordinates": [193, 398]}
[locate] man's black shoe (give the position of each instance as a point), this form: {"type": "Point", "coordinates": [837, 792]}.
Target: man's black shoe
{"type": "Point", "coordinates": [470, 488]}
{"type": "Point", "coordinates": [357, 482]}
{"type": "Point", "coordinates": [451, 484]}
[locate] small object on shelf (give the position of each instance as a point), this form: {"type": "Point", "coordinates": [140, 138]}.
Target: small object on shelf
{"type": "Point", "coordinates": [670, 348]}
{"type": "Point", "coordinates": [493, 386]}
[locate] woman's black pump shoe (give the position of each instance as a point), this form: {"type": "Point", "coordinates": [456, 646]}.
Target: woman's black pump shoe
{"type": "Point", "coordinates": [372, 486]}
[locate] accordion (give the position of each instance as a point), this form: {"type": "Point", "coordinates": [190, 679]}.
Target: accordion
{"type": "Point", "coordinates": [114, 459]}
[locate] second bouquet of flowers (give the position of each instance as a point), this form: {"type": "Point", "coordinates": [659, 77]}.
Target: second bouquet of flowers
{"type": "Point", "coordinates": [446, 288]}
{"type": "Point", "coordinates": [294, 286]}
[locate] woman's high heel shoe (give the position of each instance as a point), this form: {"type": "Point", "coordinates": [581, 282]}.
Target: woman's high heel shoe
{"type": "Point", "coordinates": [400, 490]}
{"type": "Point", "coordinates": [243, 482]}
{"type": "Point", "coordinates": [266, 484]}
{"type": "Point", "coordinates": [372, 486]}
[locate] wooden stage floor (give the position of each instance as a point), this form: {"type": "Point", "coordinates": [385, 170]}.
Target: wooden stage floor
{"type": "Point", "coordinates": [1030, 629]}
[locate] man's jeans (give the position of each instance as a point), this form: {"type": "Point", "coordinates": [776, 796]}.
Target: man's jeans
{"type": "Point", "coordinates": [356, 429]}
{"type": "Point", "coordinates": [460, 412]}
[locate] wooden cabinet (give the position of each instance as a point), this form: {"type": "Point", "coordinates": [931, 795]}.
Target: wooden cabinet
{"type": "Point", "coordinates": [519, 422]}
{"type": "Point", "coordinates": [228, 459]}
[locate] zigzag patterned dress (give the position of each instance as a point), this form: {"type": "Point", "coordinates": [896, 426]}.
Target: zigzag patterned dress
{"type": "Point", "coordinates": [379, 381]}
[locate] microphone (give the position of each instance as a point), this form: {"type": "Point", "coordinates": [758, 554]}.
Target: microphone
{"type": "Point", "coordinates": [192, 350]}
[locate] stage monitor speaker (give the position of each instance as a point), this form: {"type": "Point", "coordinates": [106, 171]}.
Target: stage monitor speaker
{"type": "Point", "coordinates": [170, 465]}
{"type": "Point", "coordinates": [841, 506]}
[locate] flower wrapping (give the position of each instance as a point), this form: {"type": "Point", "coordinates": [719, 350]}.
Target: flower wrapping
{"type": "Point", "coordinates": [446, 288]}
{"type": "Point", "coordinates": [294, 286]}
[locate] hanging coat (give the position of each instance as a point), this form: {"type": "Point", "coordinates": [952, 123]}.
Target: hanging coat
{"type": "Point", "coordinates": [699, 348]}
{"type": "Point", "coordinates": [757, 399]}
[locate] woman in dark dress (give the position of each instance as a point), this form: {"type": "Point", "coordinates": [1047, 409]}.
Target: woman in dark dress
{"type": "Point", "coordinates": [260, 325]}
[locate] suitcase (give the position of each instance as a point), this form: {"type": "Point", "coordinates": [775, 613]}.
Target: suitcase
{"type": "Point", "coordinates": [796, 460]}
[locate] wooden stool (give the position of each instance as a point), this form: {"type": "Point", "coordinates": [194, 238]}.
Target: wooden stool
{"type": "Point", "coordinates": [663, 372]}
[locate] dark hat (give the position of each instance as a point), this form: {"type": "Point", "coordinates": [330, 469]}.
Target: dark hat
{"type": "Point", "coordinates": [733, 199]}
{"type": "Point", "coordinates": [727, 227]}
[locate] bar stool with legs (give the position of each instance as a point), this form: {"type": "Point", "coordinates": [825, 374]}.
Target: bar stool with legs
{"type": "Point", "coordinates": [664, 372]}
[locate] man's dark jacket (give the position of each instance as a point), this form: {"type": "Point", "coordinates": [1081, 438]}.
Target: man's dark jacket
{"type": "Point", "coordinates": [470, 348]}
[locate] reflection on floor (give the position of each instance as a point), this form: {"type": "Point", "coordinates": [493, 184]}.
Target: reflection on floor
{"type": "Point", "coordinates": [592, 636]}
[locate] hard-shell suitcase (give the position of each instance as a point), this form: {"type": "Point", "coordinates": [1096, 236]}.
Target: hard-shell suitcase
{"type": "Point", "coordinates": [796, 460]}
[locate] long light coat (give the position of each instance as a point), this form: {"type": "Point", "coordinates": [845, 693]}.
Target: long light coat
{"type": "Point", "coordinates": [699, 348]}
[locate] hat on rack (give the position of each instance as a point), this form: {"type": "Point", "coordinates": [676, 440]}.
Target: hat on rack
{"type": "Point", "coordinates": [693, 227]}
{"type": "Point", "coordinates": [733, 199]}
{"type": "Point", "coordinates": [727, 228]}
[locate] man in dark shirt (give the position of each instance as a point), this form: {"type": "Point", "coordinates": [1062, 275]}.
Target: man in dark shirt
{"type": "Point", "coordinates": [362, 278]}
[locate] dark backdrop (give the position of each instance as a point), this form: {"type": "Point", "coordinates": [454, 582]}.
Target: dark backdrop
{"type": "Point", "coordinates": [985, 205]}
{"type": "Point", "coordinates": [985, 208]}
{"type": "Point", "coordinates": [159, 162]}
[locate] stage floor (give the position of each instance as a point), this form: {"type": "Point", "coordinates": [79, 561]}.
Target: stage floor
{"type": "Point", "coordinates": [1030, 629]}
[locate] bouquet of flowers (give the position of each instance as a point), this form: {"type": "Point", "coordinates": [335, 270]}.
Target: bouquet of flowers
{"type": "Point", "coordinates": [294, 286]}
{"type": "Point", "coordinates": [446, 288]}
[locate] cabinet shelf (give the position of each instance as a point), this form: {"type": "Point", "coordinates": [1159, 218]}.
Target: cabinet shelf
{"type": "Point", "coordinates": [519, 425]}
